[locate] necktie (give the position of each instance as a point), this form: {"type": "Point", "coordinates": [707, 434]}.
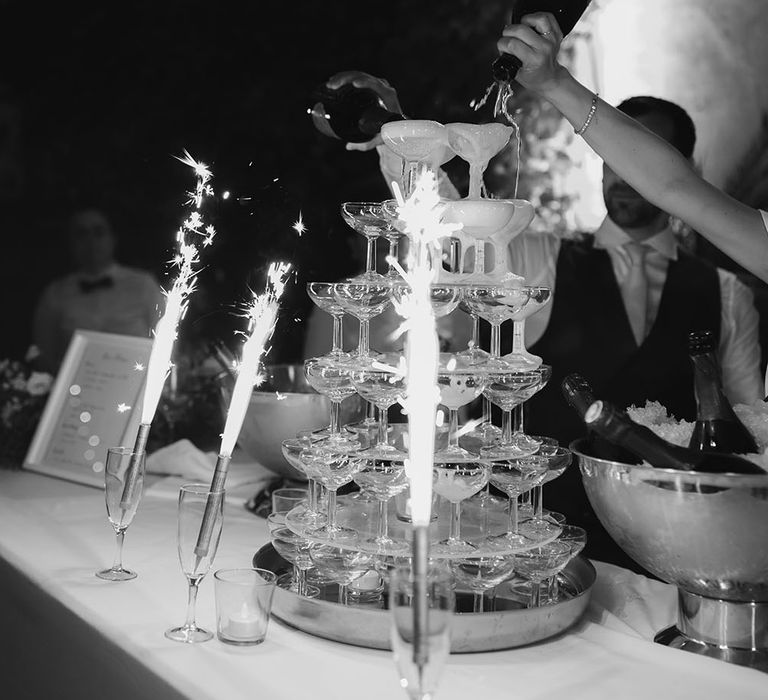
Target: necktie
{"type": "Point", "coordinates": [88, 286]}
{"type": "Point", "coordinates": [634, 290]}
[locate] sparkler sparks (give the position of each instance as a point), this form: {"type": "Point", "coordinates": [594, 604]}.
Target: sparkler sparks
{"type": "Point", "coordinates": [299, 226]}
{"type": "Point", "coordinates": [262, 313]}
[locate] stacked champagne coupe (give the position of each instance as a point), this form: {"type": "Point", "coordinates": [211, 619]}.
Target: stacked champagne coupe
{"type": "Point", "coordinates": [489, 542]}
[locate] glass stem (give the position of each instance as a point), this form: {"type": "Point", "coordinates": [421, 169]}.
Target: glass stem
{"type": "Point", "coordinates": [535, 598]}
{"type": "Point", "coordinates": [295, 575]}
{"type": "Point", "coordinates": [518, 418]}
{"type": "Point", "coordinates": [312, 493]}
{"type": "Point", "coordinates": [118, 563]}
{"type": "Point", "coordinates": [383, 520]}
{"type": "Point", "coordinates": [495, 339]}
{"type": "Point", "coordinates": [475, 341]}
{"type": "Point", "coordinates": [506, 427]}
{"type": "Point", "coordinates": [479, 255]}
{"type": "Point", "coordinates": [370, 254]}
{"type": "Point", "coordinates": [335, 415]}
{"type": "Point", "coordinates": [478, 602]}
{"type": "Point", "coordinates": [537, 497]}
{"type": "Point", "coordinates": [455, 528]}
{"type": "Point", "coordinates": [394, 252]}
{"type": "Point", "coordinates": [343, 590]}
{"type": "Point", "coordinates": [337, 334]}
{"type": "Point", "coordinates": [383, 426]}
{"type": "Point", "coordinates": [512, 528]}
{"type": "Point", "coordinates": [330, 522]}
{"type": "Point", "coordinates": [191, 603]}
{"type": "Point", "coordinates": [363, 343]}
{"type": "Point", "coordinates": [301, 582]}
{"type": "Point", "coordinates": [518, 337]}
{"type": "Point", "coordinates": [453, 428]}
{"type": "Point", "coordinates": [553, 589]}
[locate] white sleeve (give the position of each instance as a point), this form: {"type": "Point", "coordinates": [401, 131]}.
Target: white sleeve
{"type": "Point", "coordinates": [739, 341]}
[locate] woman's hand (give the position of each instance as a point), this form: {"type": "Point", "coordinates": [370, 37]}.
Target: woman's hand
{"type": "Point", "coordinates": [380, 86]}
{"type": "Point", "coordinates": [536, 42]}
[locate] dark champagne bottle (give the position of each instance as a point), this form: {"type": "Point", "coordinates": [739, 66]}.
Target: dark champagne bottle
{"type": "Point", "coordinates": [580, 396]}
{"type": "Point", "coordinates": [349, 113]}
{"type": "Point", "coordinates": [566, 12]}
{"type": "Point", "coordinates": [617, 427]}
{"type": "Point", "coordinates": [717, 428]}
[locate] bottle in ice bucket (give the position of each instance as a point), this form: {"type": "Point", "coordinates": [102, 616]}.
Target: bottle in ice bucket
{"type": "Point", "coordinates": [580, 396]}
{"type": "Point", "coordinates": [617, 427]}
{"type": "Point", "coordinates": [349, 113]}
{"type": "Point", "coordinates": [717, 428]}
{"type": "Point", "coordinates": [566, 12]}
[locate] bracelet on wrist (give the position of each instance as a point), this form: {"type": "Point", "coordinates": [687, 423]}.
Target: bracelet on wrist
{"type": "Point", "coordinates": [592, 109]}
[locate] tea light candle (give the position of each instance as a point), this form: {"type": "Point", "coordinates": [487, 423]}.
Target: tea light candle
{"type": "Point", "coordinates": [244, 625]}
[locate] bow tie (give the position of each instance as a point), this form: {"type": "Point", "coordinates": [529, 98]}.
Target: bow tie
{"type": "Point", "coordinates": [88, 286]}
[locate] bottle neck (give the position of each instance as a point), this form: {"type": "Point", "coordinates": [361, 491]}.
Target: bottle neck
{"type": "Point", "coordinates": [711, 402]}
{"type": "Point", "coordinates": [373, 118]}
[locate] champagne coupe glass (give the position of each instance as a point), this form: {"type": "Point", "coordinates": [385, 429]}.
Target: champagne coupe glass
{"type": "Point", "coordinates": [444, 298]}
{"type": "Point", "coordinates": [559, 458]}
{"type": "Point", "coordinates": [456, 481]}
{"type": "Point", "coordinates": [334, 381]}
{"type": "Point", "coordinates": [520, 358]}
{"type": "Point", "coordinates": [340, 565]}
{"type": "Point", "coordinates": [196, 560]}
{"type": "Point", "coordinates": [420, 682]}
{"type": "Point", "coordinates": [295, 550]}
{"type": "Point", "coordinates": [507, 390]}
{"type": "Point", "coordinates": [370, 219]}
{"type": "Point", "coordinates": [480, 574]}
{"type": "Point", "coordinates": [460, 382]}
{"type": "Point", "coordinates": [473, 353]}
{"type": "Point", "coordinates": [420, 143]}
{"type": "Point", "coordinates": [384, 479]}
{"type": "Point", "coordinates": [515, 476]}
{"type": "Point", "coordinates": [364, 301]}
{"type": "Point", "coordinates": [321, 293]}
{"type": "Point", "coordinates": [292, 449]}
{"type": "Point", "coordinates": [539, 563]}
{"type": "Point", "coordinates": [383, 388]}
{"type": "Point", "coordinates": [120, 511]}
{"type": "Point", "coordinates": [576, 538]}
{"type": "Point", "coordinates": [334, 468]}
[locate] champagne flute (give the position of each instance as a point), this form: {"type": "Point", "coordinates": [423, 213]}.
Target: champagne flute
{"type": "Point", "coordinates": [420, 681]}
{"type": "Point", "coordinates": [121, 514]}
{"type": "Point", "coordinates": [193, 499]}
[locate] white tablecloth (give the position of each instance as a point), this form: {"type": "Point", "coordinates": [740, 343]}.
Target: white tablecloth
{"type": "Point", "coordinates": [67, 634]}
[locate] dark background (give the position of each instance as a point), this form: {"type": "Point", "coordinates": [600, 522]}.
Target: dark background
{"type": "Point", "coordinates": [97, 99]}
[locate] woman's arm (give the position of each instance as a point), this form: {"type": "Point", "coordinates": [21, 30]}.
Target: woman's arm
{"type": "Point", "coordinates": [648, 163]}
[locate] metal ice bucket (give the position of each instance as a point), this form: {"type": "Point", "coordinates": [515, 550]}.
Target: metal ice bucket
{"type": "Point", "coordinates": [707, 534]}
{"type": "Point", "coordinates": [279, 408]}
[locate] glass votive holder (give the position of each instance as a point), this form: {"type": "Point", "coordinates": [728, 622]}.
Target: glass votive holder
{"type": "Point", "coordinates": [243, 604]}
{"type": "Point", "coordinates": [286, 499]}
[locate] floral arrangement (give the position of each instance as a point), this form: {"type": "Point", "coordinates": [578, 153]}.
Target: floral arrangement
{"type": "Point", "coordinates": [23, 394]}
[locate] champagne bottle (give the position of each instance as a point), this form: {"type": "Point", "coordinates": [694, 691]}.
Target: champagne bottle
{"type": "Point", "coordinates": [566, 12]}
{"type": "Point", "coordinates": [580, 396]}
{"type": "Point", "coordinates": [617, 427]}
{"type": "Point", "coordinates": [349, 113]}
{"type": "Point", "coordinates": [717, 428]}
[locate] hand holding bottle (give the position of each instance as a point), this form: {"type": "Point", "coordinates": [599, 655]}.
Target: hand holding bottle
{"type": "Point", "coordinates": [365, 81]}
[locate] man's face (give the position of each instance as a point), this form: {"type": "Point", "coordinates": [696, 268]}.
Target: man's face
{"type": "Point", "coordinates": [92, 241]}
{"type": "Point", "coordinates": [626, 208]}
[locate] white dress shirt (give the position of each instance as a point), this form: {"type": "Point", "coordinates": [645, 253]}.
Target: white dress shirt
{"type": "Point", "coordinates": [129, 306]}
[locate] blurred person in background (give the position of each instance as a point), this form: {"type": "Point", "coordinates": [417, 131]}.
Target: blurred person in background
{"type": "Point", "coordinates": [99, 294]}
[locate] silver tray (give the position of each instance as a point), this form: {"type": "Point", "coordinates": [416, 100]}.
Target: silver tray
{"type": "Point", "coordinates": [511, 625]}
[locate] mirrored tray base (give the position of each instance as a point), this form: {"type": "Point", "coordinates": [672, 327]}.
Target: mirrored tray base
{"type": "Point", "coordinates": [510, 625]}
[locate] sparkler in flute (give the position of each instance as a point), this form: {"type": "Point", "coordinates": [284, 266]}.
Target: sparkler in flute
{"type": "Point", "coordinates": [263, 315]}
{"type": "Point", "coordinates": [193, 232]}
{"type": "Point", "coordinates": [421, 218]}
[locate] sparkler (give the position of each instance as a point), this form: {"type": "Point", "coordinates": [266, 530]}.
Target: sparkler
{"type": "Point", "coordinates": [421, 216]}
{"type": "Point", "coordinates": [192, 233]}
{"type": "Point", "coordinates": [262, 315]}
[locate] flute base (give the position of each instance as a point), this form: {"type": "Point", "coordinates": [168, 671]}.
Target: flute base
{"type": "Point", "coordinates": [189, 635]}
{"type": "Point", "coordinates": [116, 574]}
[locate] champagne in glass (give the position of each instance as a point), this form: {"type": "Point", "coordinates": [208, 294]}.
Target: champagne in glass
{"type": "Point", "coordinates": [120, 514]}
{"type": "Point", "coordinates": [192, 505]}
